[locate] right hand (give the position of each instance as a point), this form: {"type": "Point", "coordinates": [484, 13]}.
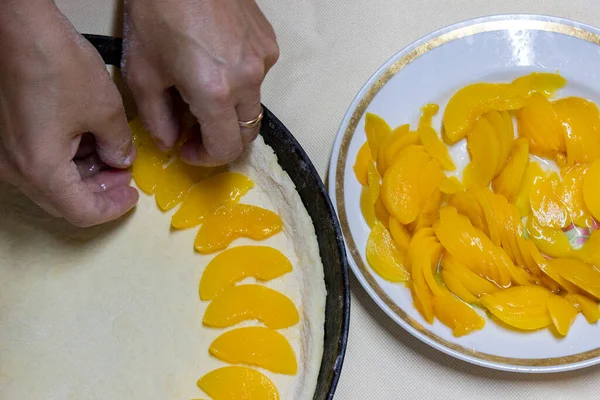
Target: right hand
{"type": "Point", "coordinates": [54, 91]}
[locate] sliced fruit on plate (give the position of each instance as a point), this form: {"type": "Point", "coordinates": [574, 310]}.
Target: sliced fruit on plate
{"type": "Point", "coordinates": [571, 194]}
{"type": "Point", "coordinates": [504, 129]}
{"type": "Point", "coordinates": [474, 283]}
{"type": "Point", "coordinates": [430, 139]}
{"type": "Point", "coordinates": [521, 307]}
{"type": "Point", "coordinates": [591, 190]}
{"type": "Point", "coordinates": [226, 269]}
{"type": "Point", "coordinates": [256, 346]}
{"type": "Point", "coordinates": [251, 302]}
{"type": "Point", "coordinates": [377, 131]}
{"type": "Point", "coordinates": [386, 149]}
{"type": "Point", "coordinates": [238, 383]}
{"type": "Point", "coordinates": [539, 124]}
{"type": "Point", "coordinates": [467, 104]}
{"type": "Point", "coordinates": [384, 256]}
{"type": "Point", "coordinates": [581, 122]}
{"type": "Point", "coordinates": [582, 275]}
{"type": "Point", "coordinates": [533, 173]}
{"type": "Point", "coordinates": [362, 162]}
{"type": "Point", "coordinates": [457, 315]}
{"type": "Point", "coordinates": [509, 181]}
{"type": "Point", "coordinates": [216, 191]}
{"type": "Point", "coordinates": [562, 312]}
{"type": "Point", "coordinates": [227, 224]}
{"type": "Point", "coordinates": [588, 307]}
{"type": "Point", "coordinates": [548, 208]}
{"type": "Point", "coordinates": [484, 149]}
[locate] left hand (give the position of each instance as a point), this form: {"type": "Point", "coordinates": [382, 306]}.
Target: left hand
{"type": "Point", "coordinates": [213, 55]}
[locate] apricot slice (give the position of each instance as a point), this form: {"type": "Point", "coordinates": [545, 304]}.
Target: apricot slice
{"type": "Point", "coordinates": [470, 280]}
{"type": "Point", "coordinates": [521, 307]}
{"type": "Point", "coordinates": [367, 206]}
{"type": "Point", "coordinates": [400, 186]}
{"type": "Point", "coordinates": [377, 131]}
{"type": "Point", "coordinates": [431, 141]}
{"type": "Point", "coordinates": [484, 197]}
{"type": "Point", "coordinates": [457, 315]}
{"type": "Point", "coordinates": [539, 123]}
{"type": "Point", "coordinates": [216, 191]}
{"type": "Point", "coordinates": [429, 211]}
{"type": "Point", "coordinates": [588, 307]}
{"type": "Point", "coordinates": [467, 104]}
{"type": "Point", "coordinates": [583, 275]}
{"type": "Point", "coordinates": [175, 181]}
{"type": "Point", "coordinates": [227, 224]}
{"type": "Point", "coordinates": [148, 167]}
{"type": "Point", "coordinates": [471, 247]}
{"type": "Point", "coordinates": [362, 162]}
{"type": "Point", "coordinates": [251, 302]}
{"type": "Point", "coordinates": [591, 190]}
{"type": "Point", "coordinates": [581, 121]}
{"type": "Point", "coordinates": [484, 149]}
{"type": "Point", "coordinates": [421, 292]}
{"type": "Point", "coordinates": [386, 259]}
{"type": "Point", "coordinates": [547, 206]}
{"type": "Point", "coordinates": [256, 346]}
{"type": "Point", "coordinates": [562, 312]}
{"type": "Point", "coordinates": [238, 383]}
{"type": "Point", "coordinates": [261, 262]}
{"type": "Point", "coordinates": [509, 181]}
{"type": "Point", "coordinates": [533, 173]}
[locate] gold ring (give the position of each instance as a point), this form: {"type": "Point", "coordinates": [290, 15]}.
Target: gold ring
{"type": "Point", "coordinates": [252, 123]}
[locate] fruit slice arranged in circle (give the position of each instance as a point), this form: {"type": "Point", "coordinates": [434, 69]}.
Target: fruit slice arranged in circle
{"type": "Point", "coordinates": [251, 302]}
{"type": "Point", "coordinates": [256, 346]}
{"type": "Point", "coordinates": [261, 262]}
{"type": "Point", "coordinates": [238, 383]}
{"type": "Point", "coordinates": [227, 224]}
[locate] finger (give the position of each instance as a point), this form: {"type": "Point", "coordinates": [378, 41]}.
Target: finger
{"type": "Point", "coordinates": [221, 141]}
{"type": "Point", "coordinates": [93, 201]}
{"type": "Point", "coordinates": [108, 179]}
{"type": "Point", "coordinates": [157, 111]}
{"type": "Point", "coordinates": [114, 144]}
{"type": "Point", "coordinates": [248, 110]}
{"type": "Point", "coordinates": [89, 166]}
{"type": "Point", "coordinates": [87, 146]}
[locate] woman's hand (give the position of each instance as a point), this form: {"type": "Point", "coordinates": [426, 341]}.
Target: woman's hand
{"type": "Point", "coordinates": [210, 56]}
{"type": "Point", "coordinates": [54, 91]}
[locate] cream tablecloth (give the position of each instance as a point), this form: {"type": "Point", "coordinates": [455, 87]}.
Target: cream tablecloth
{"type": "Point", "coordinates": [329, 48]}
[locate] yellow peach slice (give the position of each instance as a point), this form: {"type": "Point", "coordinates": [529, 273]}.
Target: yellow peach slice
{"type": "Point", "coordinates": [261, 262]}
{"type": "Point", "coordinates": [467, 104]}
{"type": "Point", "coordinates": [227, 224]}
{"type": "Point", "coordinates": [503, 126]}
{"type": "Point", "coordinates": [251, 302]}
{"type": "Point", "coordinates": [386, 259]}
{"type": "Point", "coordinates": [457, 288]}
{"type": "Point", "coordinates": [362, 162]}
{"type": "Point", "coordinates": [581, 121]}
{"type": "Point", "coordinates": [562, 312]}
{"type": "Point", "coordinates": [457, 315]}
{"type": "Point", "coordinates": [547, 207]}
{"type": "Point", "coordinates": [571, 193]}
{"type": "Point", "coordinates": [550, 241]}
{"type": "Point", "coordinates": [219, 190]}
{"type": "Point", "coordinates": [148, 167]}
{"type": "Point", "coordinates": [591, 190]}
{"type": "Point", "coordinates": [484, 197]}
{"type": "Point", "coordinates": [509, 181]}
{"type": "Point", "coordinates": [367, 206]}
{"type": "Point", "coordinates": [377, 131]}
{"type": "Point", "coordinates": [539, 123]}
{"type": "Point", "coordinates": [431, 141]}
{"type": "Point", "coordinates": [522, 307]}
{"type": "Point", "coordinates": [451, 185]}
{"type": "Point", "coordinates": [397, 134]}
{"type": "Point", "coordinates": [484, 149]}
{"type": "Point", "coordinates": [400, 185]}
{"type": "Point", "coordinates": [256, 346]}
{"type": "Point", "coordinates": [470, 280]}
{"type": "Point", "coordinates": [400, 142]}
{"type": "Point", "coordinates": [400, 234]}
{"type": "Point", "coordinates": [533, 173]}
{"type": "Point", "coordinates": [467, 205]}
{"type": "Point", "coordinates": [176, 180]}
{"type": "Point", "coordinates": [238, 383]}
{"type": "Point", "coordinates": [583, 275]}
{"type": "Point", "coordinates": [588, 307]}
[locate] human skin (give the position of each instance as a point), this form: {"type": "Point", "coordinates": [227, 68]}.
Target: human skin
{"type": "Point", "coordinates": [195, 68]}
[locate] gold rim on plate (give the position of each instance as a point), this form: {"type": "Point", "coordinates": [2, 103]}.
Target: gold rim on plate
{"type": "Point", "coordinates": [443, 38]}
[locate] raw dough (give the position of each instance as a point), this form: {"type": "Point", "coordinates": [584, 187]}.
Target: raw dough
{"type": "Point", "coordinates": [113, 312]}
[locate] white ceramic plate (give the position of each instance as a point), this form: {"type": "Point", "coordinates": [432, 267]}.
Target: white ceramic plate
{"type": "Point", "coordinates": [492, 49]}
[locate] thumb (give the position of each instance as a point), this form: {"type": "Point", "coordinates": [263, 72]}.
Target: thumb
{"type": "Point", "coordinates": [114, 144]}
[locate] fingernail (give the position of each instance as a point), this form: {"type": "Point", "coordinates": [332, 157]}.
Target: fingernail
{"type": "Point", "coordinates": [130, 158]}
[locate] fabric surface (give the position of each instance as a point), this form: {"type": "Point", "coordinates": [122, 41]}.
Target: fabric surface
{"type": "Point", "coordinates": [329, 48]}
